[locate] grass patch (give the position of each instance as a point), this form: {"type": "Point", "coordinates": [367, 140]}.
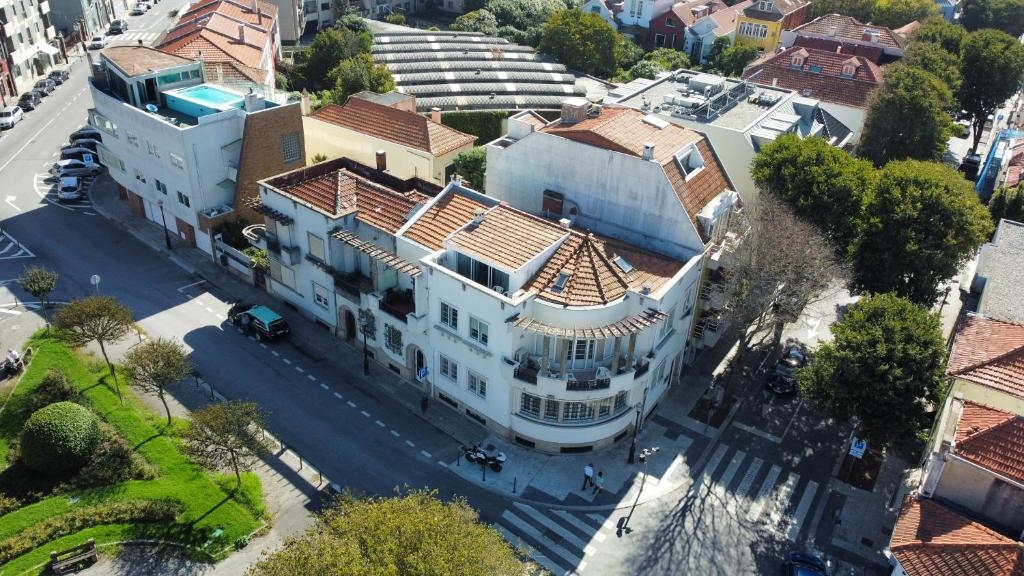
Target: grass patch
{"type": "Point", "coordinates": [206, 506]}
{"type": "Point", "coordinates": [249, 494]}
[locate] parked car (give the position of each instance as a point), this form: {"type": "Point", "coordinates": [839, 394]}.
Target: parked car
{"type": "Point", "coordinates": [260, 321]}
{"type": "Point", "coordinates": [97, 42]}
{"type": "Point", "coordinates": [59, 76]}
{"type": "Point", "coordinates": [78, 153]}
{"type": "Point", "coordinates": [69, 189]}
{"type": "Point", "coordinates": [800, 564]}
{"type": "Point", "coordinates": [119, 26]}
{"type": "Point", "coordinates": [76, 168]}
{"type": "Point", "coordinates": [783, 378]}
{"type": "Point", "coordinates": [46, 86]}
{"type": "Point", "coordinates": [139, 9]}
{"type": "Point", "coordinates": [29, 100]}
{"type": "Point", "coordinates": [10, 116]}
{"type": "Point", "coordinates": [970, 166]}
{"type": "Point", "coordinates": [86, 132]}
{"type": "Point", "coordinates": [89, 145]}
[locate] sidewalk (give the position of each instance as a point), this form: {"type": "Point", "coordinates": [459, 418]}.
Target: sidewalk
{"type": "Point", "coordinates": [529, 476]}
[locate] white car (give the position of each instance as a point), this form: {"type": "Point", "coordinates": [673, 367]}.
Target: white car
{"type": "Point", "coordinates": [69, 189]}
{"type": "Point", "coordinates": [10, 116]}
{"type": "Point", "coordinates": [97, 43]}
{"type": "Point", "coordinates": [140, 8]}
{"type": "Point", "coordinates": [65, 168]}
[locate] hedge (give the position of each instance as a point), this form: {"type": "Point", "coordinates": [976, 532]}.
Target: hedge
{"type": "Point", "coordinates": [486, 125]}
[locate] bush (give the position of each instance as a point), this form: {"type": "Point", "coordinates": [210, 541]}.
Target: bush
{"type": "Point", "coordinates": [354, 23]}
{"type": "Point", "coordinates": [54, 388]}
{"type": "Point", "coordinates": [112, 462]}
{"type": "Point", "coordinates": [396, 19]}
{"type": "Point", "coordinates": [485, 125]}
{"type": "Point", "coordinates": [59, 438]}
{"type": "Point", "coordinates": [280, 81]}
{"type": "Point", "coordinates": [7, 504]}
{"type": "Point", "coordinates": [645, 69]}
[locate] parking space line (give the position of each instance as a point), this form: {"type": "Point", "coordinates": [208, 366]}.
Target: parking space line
{"type": "Point", "coordinates": [351, 404]}
{"type": "Point", "coordinates": [379, 423]}
{"type": "Point", "coordinates": [311, 377]}
{"type": "Point", "coordinates": [338, 396]}
{"type": "Point", "coordinates": [425, 454]}
{"type": "Point", "coordinates": [286, 361]}
{"type": "Point", "coordinates": [299, 369]}
{"type": "Point", "coordinates": [365, 413]}
{"type": "Point", "coordinates": [325, 387]}
{"type": "Point", "coordinates": [395, 434]}
{"type": "Point", "coordinates": [410, 443]}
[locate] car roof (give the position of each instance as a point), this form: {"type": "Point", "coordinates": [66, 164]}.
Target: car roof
{"type": "Point", "coordinates": [264, 314]}
{"type": "Point", "coordinates": [69, 181]}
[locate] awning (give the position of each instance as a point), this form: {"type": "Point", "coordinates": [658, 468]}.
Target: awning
{"type": "Point", "coordinates": [48, 50]}
{"type": "Point", "coordinates": [375, 252]}
{"type": "Point", "coordinates": [624, 327]}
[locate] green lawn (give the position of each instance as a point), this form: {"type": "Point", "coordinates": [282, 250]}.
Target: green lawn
{"type": "Point", "coordinates": [207, 505]}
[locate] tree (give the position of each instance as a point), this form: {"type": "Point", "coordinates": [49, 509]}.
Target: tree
{"type": "Point", "coordinates": [226, 432]}
{"type": "Point", "coordinates": [907, 118]}
{"type": "Point", "coordinates": [99, 319]}
{"type": "Point", "coordinates": [353, 22]}
{"type": "Point", "coordinates": [823, 184]}
{"type": "Point", "coordinates": [358, 74]}
{"type": "Point", "coordinates": [783, 264]}
{"type": "Point", "coordinates": [156, 364]}
{"type": "Point", "coordinates": [628, 54]}
{"type": "Point", "coordinates": [39, 282]}
{"type": "Point", "coordinates": [472, 164]}
{"type": "Point", "coordinates": [645, 69]}
{"type": "Point", "coordinates": [1007, 203]}
{"type": "Point", "coordinates": [582, 41]}
{"type": "Point", "coordinates": [991, 65]}
{"type": "Point", "coordinates": [936, 30]}
{"type": "Point", "coordinates": [937, 61]}
{"type": "Point", "coordinates": [523, 14]}
{"type": "Point", "coordinates": [398, 19]}
{"type": "Point", "coordinates": [884, 369]}
{"type": "Point", "coordinates": [59, 438]}
{"type": "Point", "coordinates": [735, 58]}
{"type": "Point", "coordinates": [669, 58]}
{"type": "Point", "coordinates": [412, 534]}
{"type": "Point", "coordinates": [896, 13]}
{"type": "Point", "coordinates": [859, 9]}
{"type": "Point", "coordinates": [923, 223]}
{"type": "Point", "coordinates": [976, 14]}
{"type": "Point", "coordinates": [718, 48]}
{"type": "Point", "coordinates": [330, 47]}
{"type": "Point", "coordinates": [1005, 15]}
{"type": "Point", "coordinates": [476, 21]}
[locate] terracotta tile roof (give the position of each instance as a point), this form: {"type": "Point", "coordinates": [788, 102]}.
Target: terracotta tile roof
{"type": "Point", "coordinates": [238, 10]}
{"type": "Point", "coordinates": [875, 54]}
{"type": "Point", "coordinates": [229, 72]}
{"type": "Point", "coordinates": [989, 352]}
{"type": "Point", "coordinates": [594, 276]}
{"type": "Point", "coordinates": [138, 60]}
{"type": "Point", "coordinates": [507, 237]}
{"type": "Point", "coordinates": [684, 10]}
{"type": "Point", "coordinates": [992, 439]}
{"type": "Point", "coordinates": [904, 32]}
{"type": "Point", "coordinates": [448, 214]}
{"type": "Point", "coordinates": [218, 38]}
{"type": "Point", "coordinates": [848, 28]}
{"type": "Point", "coordinates": [399, 126]}
{"type": "Point", "coordinates": [624, 130]}
{"type": "Point", "coordinates": [930, 540]}
{"type": "Point", "coordinates": [821, 74]}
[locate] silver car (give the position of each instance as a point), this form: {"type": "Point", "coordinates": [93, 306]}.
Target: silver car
{"type": "Point", "coordinates": [10, 116]}
{"type": "Point", "coordinates": [75, 168]}
{"type": "Point", "coordinates": [69, 189]}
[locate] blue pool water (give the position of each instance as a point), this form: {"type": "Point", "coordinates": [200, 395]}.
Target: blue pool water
{"type": "Point", "coordinates": [209, 95]}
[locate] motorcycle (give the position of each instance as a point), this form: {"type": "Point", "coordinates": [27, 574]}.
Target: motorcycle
{"type": "Point", "coordinates": [9, 368]}
{"type": "Point", "coordinates": [478, 455]}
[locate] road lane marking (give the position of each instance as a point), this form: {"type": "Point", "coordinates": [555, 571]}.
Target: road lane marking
{"type": "Point", "coordinates": [219, 316]}
{"type": "Point", "coordinates": [426, 454]}
{"type": "Point", "coordinates": [381, 424]}
{"type": "Point", "coordinates": [338, 396]}
{"type": "Point", "coordinates": [210, 310]}
{"type": "Point", "coordinates": [311, 377]}
{"type": "Point", "coordinates": [541, 559]}
{"type": "Point", "coordinates": [781, 497]}
{"type": "Point", "coordinates": [523, 527]}
{"type": "Point", "coordinates": [286, 361]}
{"type": "Point", "coordinates": [444, 464]}
{"type": "Point", "coordinates": [27, 142]}
{"type": "Point", "coordinates": [365, 413]}
{"type": "Point", "coordinates": [709, 469]}
{"type": "Point", "coordinates": [555, 527]}
{"type": "Point", "coordinates": [721, 486]}
{"type": "Point", "coordinates": [351, 404]}
{"type": "Point", "coordinates": [762, 494]}
{"type": "Point", "coordinates": [395, 434]}
{"type": "Point", "coordinates": [325, 386]}
{"type": "Point", "coordinates": [299, 369]}
{"type": "Point", "coordinates": [580, 525]}
{"type": "Point", "coordinates": [182, 289]}
{"type": "Point", "coordinates": [410, 443]}
{"type": "Point", "coordinates": [802, 509]}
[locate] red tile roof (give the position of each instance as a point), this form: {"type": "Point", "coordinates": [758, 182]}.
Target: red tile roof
{"type": "Point", "coordinates": [989, 352]}
{"type": "Point", "coordinates": [225, 31]}
{"type": "Point", "coordinates": [847, 28]}
{"type": "Point", "coordinates": [624, 130]}
{"type": "Point", "coordinates": [932, 540]}
{"type": "Point", "coordinates": [399, 126]}
{"type": "Point", "coordinates": [992, 439]}
{"type": "Point", "coordinates": [820, 74]}
{"type": "Point", "coordinates": [448, 214]}
{"type": "Point", "coordinates": [508, 237]}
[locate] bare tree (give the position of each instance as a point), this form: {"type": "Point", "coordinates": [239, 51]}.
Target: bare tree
{"type": "Point", "coordinates": [229, 432]}
{"type": "Point", "coordinates": [156, 364]}
{"type": "Point", "coordinates": [782, 265]}
{"type": "Point", "coordinates": [39, 282]}
{"type": "Point", "coordinates": [95, 318]}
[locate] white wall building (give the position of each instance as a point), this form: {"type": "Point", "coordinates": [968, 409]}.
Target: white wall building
{"type": "Point", "coordinates": [640, 12]}
{"type": "Point", "coordinates": [27, 36]}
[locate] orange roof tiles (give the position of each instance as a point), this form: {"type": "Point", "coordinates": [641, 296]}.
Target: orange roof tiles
{"type": "Point", "coordinates": [820, 75]}
{"type": "Point", "coordinates": [138, 60]}
{"type": "Point", "coordinates": [225, 31]}
{"type": "Point", "coordinates": [992, 439]}
{"type": "Point", "coordinates": [507, 237]}
{"type": "Point", "coordinates": [930, 539]}
{"type": "Point", "coordinates": [447, 215]}
{"type": "Point", "coordinates": [399, 126]}
{"type": "Point", "coordinates": [624, 130]}
{"type": "Point", "coordinates": [989, 352]}
{"type": "Point", "coordinates": [849, 28]}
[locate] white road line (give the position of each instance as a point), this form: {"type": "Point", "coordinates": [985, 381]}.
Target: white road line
{"type": "Point", "coordinates": [365, 413]}
{"type": "Point", "coordinates": [410, 443]}
{"type": "Point", "coordinates": [442, 463]}
{"type": "Point", "coordinates": [802, 508]}
{"type": "Point", "coordinates": [253, 338]}
{"type": "Point", "coordinates": [709, 469]}
{"type": "Point", "coordinates": [722, 485]}
{"type": "Point", "coordinates": [299, 370]}
{"type": "Point", "coordinates": [582, 526]}
{"type": "Point", "coordinates": [264, 346]}
{"type": "Point", "coordinates": [311, 377]}
{"type": "Point", "coordinates": [541, 559]}
{"type": "Point", "coordinates": [524, 527]}
{"type": "Point", "coordinates": [748, 477]}
{"type": "Point", "coordinates": [556, 528]}
{"type": "Point", "coordinates": [778, 503]}
{"type": "Point", "coordinates": [27, 142]}
{"type": "Point", "coordinates": [381, 424]}
{"type": "Point", "coordinates": [219, 316]}
{"type": "Point", "coordinates": [198, 302]}
{"type": "Point", "coordinates": [210, 310]}
{"type": "Point", "coordinates": [286, 361]}
{"type": "Point", "coordinates": [338, 396]}
{"type": "Point", "coordinates": [11, 312]}
{"type": "Point", "coordinates": [426, 454]}
{"type": "Point", "coordinates": [351, 404]}
{"type": "Point", "coordinates": [325, 386]}
{"type": "Point", "coordinates": [395, 434]}
{"type": "Point", "coordinates": [762, 493]}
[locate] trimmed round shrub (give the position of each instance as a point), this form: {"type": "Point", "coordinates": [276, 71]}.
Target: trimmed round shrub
{"type": "Point", "coordinates": [59, 438]}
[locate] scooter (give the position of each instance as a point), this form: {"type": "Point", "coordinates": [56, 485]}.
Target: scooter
{"type": "Point", "coordinates": [477, 455]}
{"type": "Point", "coordinates": [9, 368]}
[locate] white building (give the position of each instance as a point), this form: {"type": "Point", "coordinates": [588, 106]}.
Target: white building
{"type": "Point", "coordinates": [181, 150]}
{"type": "Point", "coordinates": [640, 12]}
{"type": "Point", "coordinates": [542, 331]}
{"type": "Point", "coordinates": [27, 36]}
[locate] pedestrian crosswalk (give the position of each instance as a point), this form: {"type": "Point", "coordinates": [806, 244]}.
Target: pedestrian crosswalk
{"type": "Point", "coordinates": [148, 38]}
{"type": "Point", "coordinates": [558, 540]}
{"type": "Point", "coordinates": [11, 248]}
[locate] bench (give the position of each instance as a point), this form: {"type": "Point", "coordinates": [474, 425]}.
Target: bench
{"type": "Point", "coordinates": [68, 560]}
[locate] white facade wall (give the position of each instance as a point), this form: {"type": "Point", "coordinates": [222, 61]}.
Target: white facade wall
{"type": "Point", "coordinates": [28, 41]}
{"type": "Point", "coordinates": [640, 12]}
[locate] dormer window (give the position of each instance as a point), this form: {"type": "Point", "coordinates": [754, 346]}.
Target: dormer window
{"type": "Point", "coordinates": [690, 161]}
{"type": "Point", "coordinates": [623, 265]}
{"type": "Point", "coordinates": [561, 282]}
{"type": "Point", "coordinates": [798, 61]}
{"type": "Point", "coordinates": [765, 6]}
{"type": "Point", "coordinates": [850, 67]}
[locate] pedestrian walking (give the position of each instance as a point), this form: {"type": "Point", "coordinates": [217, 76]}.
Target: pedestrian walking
{"type": "Point", "coordinates": [599, 483]}
{"type": "Point", "coordinates": [588, 476]}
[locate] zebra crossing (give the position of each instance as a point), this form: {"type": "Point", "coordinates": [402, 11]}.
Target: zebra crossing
{"type": "Point", "coordinates": [11, 248]}
{"type": "Point", "coordinates": [148, 38]}
{"type": "Point", "coordinates": [558, 540]}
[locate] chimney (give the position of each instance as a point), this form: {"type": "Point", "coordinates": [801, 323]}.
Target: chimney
{"type": "Point", "coordinates": [648, 151]}
{"type": "Point", "coordinates": [382, 160]}
{"type": "Point", "coordinates": [565, 223]}
{"type": "Point", "coordinates": [435, 115]}
{"type": "Point", "coordinates": [775, 82]}
{"type": "Point", "coordinates": [478, 216]}
{"type": "Point", "coordinates": [220, 73]}
{"type": "Point", "coordinates": [241, 33]}
{"type": "Point", "coordinates": [253, 102]}
{"type": "Point", "coordinates": [574, 110]}
{"type": "Point", "coordinates": [304, 103]}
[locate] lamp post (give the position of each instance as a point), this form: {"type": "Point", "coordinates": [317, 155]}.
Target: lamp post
{"type": "Point", "coordinates": [95, 281]}
{"type": "Point", "coordinates": [167, 237]}
{"type": "Point", "coordinates": [636, 428]}
{"type": "Point", "coordinates": [366, 326]}
{"type": "Point", "coordinates": [645, 458]}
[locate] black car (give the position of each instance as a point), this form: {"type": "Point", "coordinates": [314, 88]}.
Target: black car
{"type": "Point", "coordinates": [59, 76]}
{"type": "Point", "coordinates": [86, 132]}
{"type": "Point", "coordinates": [970, 166]}
{"type": "Point", "coordinates": [78, 144]}
{"type": "Point", "coordinates": [45, 86]}
{"type": "Point", "coordinates": [783, 378]}
{"type": "Point", "coordinates": [118, 27]}
{"type": "Point", "coordinates": [29, 100]}
{"type": "Point", "coordinates": [800, 564]}
{"type": "Point", "coordinates": [260, 321]}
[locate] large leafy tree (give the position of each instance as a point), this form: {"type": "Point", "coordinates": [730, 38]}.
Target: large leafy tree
{"type": "Point", "coordinates": [228, 433]}
{"type": "Point", "coordinates": [937, 61]}
{"type": "Point", "coordinates": [907, 118]}
{"type": "Point", "coordinates": [859, 9]}
{"type": "Point", "coordinates": [358, 74]}
{"type": "Point", "coordinates": [669, 58]}
{"type": "Point", "coordinates": [330, 47]}
{"type": "Point", "coordinates": [413, 535]}
{"type": "Point", "coordinates": [883, 370]}
{"type": "Point", "coordinates": [923, 223]}
{"type": "Point", "coordinates": [39, 282]}
{"type": "Point", "coordinates": [523, 14]}
{"type": "Point", "coordinates": [482, 21]}
{"type": "Point", "coordinates": [1007, 203]}
{"type": "Point", "coordinates": [582, 41]}
{"type": "Point", "coordinates": [1005, 15]}
{"type": "Point", "coordinates": [735, 58]}
{"type": "Point", "coordinates": [471, 164]}
{"type": "Point", "coordinates": [992, 66]}
{"type": "Point", "coordinates": [823, 184]}
{"type": "Point", "coordinates": [896, 13]}
{"type": "Point", "coordinates": [99, 319]}
{"type": "Point", "coordinates": [936, 30]}
{"type": "Point", "coordinates": [156, 364]}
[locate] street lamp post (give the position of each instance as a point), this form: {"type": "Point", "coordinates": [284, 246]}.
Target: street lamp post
{"type": "Point", "coordinates": [645, 458]}
{"type": "Point", "coordinates": [167, 237]}
{"type": "Point", "coordinates": [636, 428]}
{"type": "Point", "coordinates": [95, 281]}
{"type": "Point", "coordinates": [366, 325]}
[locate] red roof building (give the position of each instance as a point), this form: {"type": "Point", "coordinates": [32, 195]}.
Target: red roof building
{"type": "Point", "coordinates": [825, 75]}
{"type": "Point", "coordinates": [847, 35]}
{"type": "Point", "coordinates": [989, 353]}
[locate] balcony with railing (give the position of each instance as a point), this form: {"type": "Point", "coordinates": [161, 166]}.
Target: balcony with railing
{"type": "Point", "coordinates": [352, 285]}
{"type": "Point", "coordinates": [397, 303]}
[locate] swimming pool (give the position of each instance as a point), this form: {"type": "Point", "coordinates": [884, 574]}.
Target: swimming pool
{"type": "Point", "coordinates": [202, 100]}
{"type": "Point", "coordinates": [210, 95]}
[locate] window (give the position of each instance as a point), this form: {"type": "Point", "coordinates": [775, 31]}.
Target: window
{"type": "Point", "coordinates": [481, 273]}
{"type": "Point", "coordinates": [101, 122]}
{"type": "Point", "coordinates": [139, 175]}
{"type": "Point", "coordinates": [765, 6]}
{"type": "Point", "coordinates": [316, 247]}
{"type": "Point", "coordinates": [325, 6]}
{"type": "Point", "coordinates": [478, 330]}
{"type": "Point", "coordinates": [132, 138]}
{"type": "Point", "coordinates": [320, 295]}
{"type": "Point", "coordinates": [849, 69]}
{"type": "Point", "coordinates": [670, 22]}
{"type": "Point", "coordinates": [666, 326]}
{"type": "Point", "coordinates": [561, 281]}
{"type": "Point", "coordinates": [583, 350]}
{"type": "Point", "coordinates": [290, 146]}
{"type": "Point", "coordinates": [109, 160]}
{"type": "Point", "coordinates": [183, 199]}
{"type": "Point", "coordinates": [392, 338]}
{"type": "Point", "coordinates": [690, 161]}
{"type": "Point", "coordinates": [551, 409]}
{"type": "Point", "coordinates": [688, 302]}
{"type": "Point", "coordinates": [288, 277]}
{"type": "Point", "coordinates": [161, 187]}
{"type": "Point", "coordinates": [177, 161]}
{"type": "Point", "coordinates": [477, 384]}
{"type": "Point", "coordinates": [798, 60]}
{"type": "Point", "coordinates": [623, 265]}
{"type": "Point", "coordinates": [449, 368]}
{"type": "Point", "coordinates": [620, 401]}
{"type": "Point", "coordinates": [753, 30]}
{"type": "Point", "coordinates": [530, 405]}
{"type": "Point", "coordinates": [153, 149]}
{"type": "Point", "coordinates": [575, 411]}
{"type": "Point", "coordinates": [659, 40]}
{"type": "Point", "coordinates": [450, 316]}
